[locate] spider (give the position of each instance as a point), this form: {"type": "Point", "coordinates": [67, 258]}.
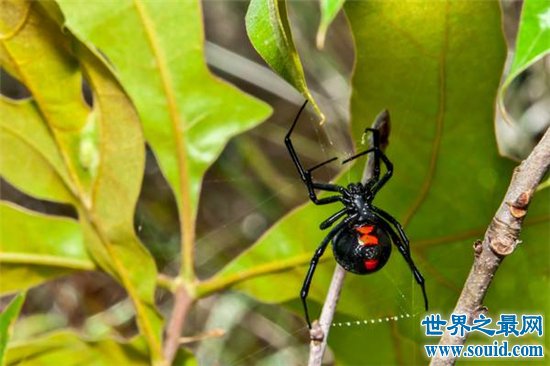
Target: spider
{"type": "Point", "coordinates": [361, 242]}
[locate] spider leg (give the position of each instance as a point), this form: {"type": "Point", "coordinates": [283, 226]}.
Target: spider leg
{"type": "Point", "coordinates": [378, 155]}
{"type": "Point", "coordinates": [351, 158]}
{"type": "Point", "coordinates": [332, 219]}
{"type": "Point", "coordinates": [313, 264]}
{"type": "Point", "coordinates": [402, 243]}
{"type": "Point", "coordinates": [305, 174]}
{"type": "Point", "coordinates": [389, 218]}
{"type": "Point", "coordinates": [323, 186]}
{"type": "Point", "coordinates": [387, 175]}
{"type": "Point", "coordinates": [375, 148]}
{"type": "Point", "coordinates": [321, 164]}
{"type": "Point", "coordinates": [376, 180]}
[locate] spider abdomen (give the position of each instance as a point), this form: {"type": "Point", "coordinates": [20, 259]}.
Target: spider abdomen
{"type": "Point", "coordinates": [363, 248]}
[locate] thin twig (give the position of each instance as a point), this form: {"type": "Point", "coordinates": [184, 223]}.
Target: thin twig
{"type": "Point", "coordinates": [213, 333]}
{"type": "Point", "coordinates": [182, 305]}
{"type": "Point", "coordinates": [501, 238]}
{"type": "Point", "coordinates": [320, 329]}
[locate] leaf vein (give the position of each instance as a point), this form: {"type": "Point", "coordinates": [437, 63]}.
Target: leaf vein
{"type": "Point", "coordinates": [439, 127]}
{"type": "Point", "coordinates": [186, 215]}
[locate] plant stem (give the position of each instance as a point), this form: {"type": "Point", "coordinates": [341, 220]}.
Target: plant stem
{"type": "Point", "coordinates": [217, 284]}
{"type": "Point", "coordinates": [166, 282]}
{"type": "Point", "coordinates": [182, 305]}
{"type": "Point", "coordinates": [320, 329]}
{"type": "Point", "coordinates": [501, 238]}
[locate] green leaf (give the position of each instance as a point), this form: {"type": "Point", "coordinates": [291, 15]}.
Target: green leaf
{"type": "Point", "coordinates": [329, 10]}
{"type": "Point", "coordinates": [532, 40]}
{"type": "Point", "coordinates": [420, 107]}
{"type": "Point", "coordinates": [35, 248]}
{"type": "Point", "coordinates": [108, 227]}
{"type": "Point", "coordinates": [69, 349]}
{"type": "Point", "coordinates": [59, 102]}
{"type": "Point", "coordinates": [102, 150]}
{"type": "Point", "coordinates": [269, 31]}
{"type": "Point", "coordinates": [7, 320]}
{"type": "Point", "coordinates": [23, 134]}
{"type": "Point", "coordinates": [279, 255]}
{"type": "Point", "coordinates": [448, 178]}
{"type": "Point", "coordinates": [188, 115]}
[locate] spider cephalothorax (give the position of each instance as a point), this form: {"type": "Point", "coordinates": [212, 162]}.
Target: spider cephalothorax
{"type": "Point", "coordinates": [361, 241]}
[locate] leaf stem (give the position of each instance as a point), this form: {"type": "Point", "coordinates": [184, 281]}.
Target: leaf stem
{"type": "Point", "coordinates": [166, 282]}
{"type": "Point", "coordinates": [182, 304]}
{"type": "Point", "coordinates": [47, 260]}
{"type": "Point", "coordinates": [185, 210]}
{"type": "Point", "coordinates": [143, 320]}
{"type": "Point", "coordinates": [217, 284]}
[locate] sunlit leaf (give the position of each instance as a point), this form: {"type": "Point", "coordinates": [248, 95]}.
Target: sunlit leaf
{"type": "Point", "coordinates": [532, 40]}
{"type": "Point", "coordinates": [110, 231]}
{"type": "Point", "coordinates": [448, 180]}
{"type": "Point", "coordinates": [59, 95]}
{"type": "Point", "coordinates": [23, 134]}
{"type": "Point", "coordinates": [7, 319]}
{"type": "Point", "coordinates": [329, 10]}
{"type": "Point", "coordinates": [269, 31]}
{"type": "Point", "coordinates": [69, 349]}
{"type": "Point", "coordinates": [101, 149]}
{"type": "Point", "coordinates": [187, 114]}
{"type": "Point", "coordinates": [35, 248]}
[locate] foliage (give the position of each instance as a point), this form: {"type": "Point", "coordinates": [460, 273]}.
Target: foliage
{"type": "Point", "coordinates": [93, 173]}
{"type": "Point", "coordinates": [182, 126]}
{"type": "Point", "coordinates": [146, 72]}
{"type": "Point", "coordinates": [53, 247]}
{"type": "Point", "coordinates": [269, 32]}
{"type": "Point", "coordinates": [531, 41]}
{"type": "Point", "coordinates": [7, 320]}
{"type": "Point", "coordinates": [425, 79]}
{"type": "Point", "coordinates": [93, 158]}
{"type": "Point", "coordinates": [329, 10]}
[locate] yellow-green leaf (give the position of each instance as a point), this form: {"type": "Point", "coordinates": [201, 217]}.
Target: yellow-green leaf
{"type": "Point", "coordinates": [68, 349]}
{"type": "Point", "coordinates": [102, 149]}
{"type": "Point", "coordinates": [7, 319]}
{"type": "Point", "coordinates": [35, 248]}
{"type": "Point", "coordinates": [187, 115]}
{"type": "Point", "coordinates": [329, 10]}
{"type": "Point", "coordinates": [55, 81]}
{"type": "Point", "coordinates": [29, 151]}
{"type": "Point", "coordinates": [269, 31]}
{"type": "Point", "coordinates": [108, 226]}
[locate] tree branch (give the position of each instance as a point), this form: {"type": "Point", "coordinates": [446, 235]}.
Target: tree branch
{"type": "Point", "coordinates": [501, 238]}
{"type": "Point", "coordinates": [320, 329]}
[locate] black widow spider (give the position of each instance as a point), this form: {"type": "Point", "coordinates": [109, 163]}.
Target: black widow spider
{"type": "Point", "coordinates": [361, 242]}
